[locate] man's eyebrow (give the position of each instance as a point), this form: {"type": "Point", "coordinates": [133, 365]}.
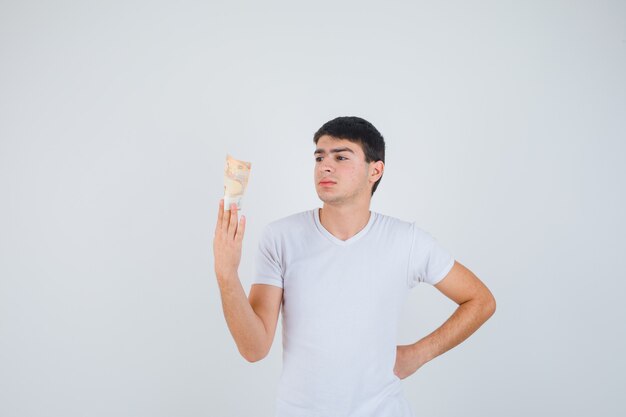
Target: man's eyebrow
{"type": "Point", "coordinates": [322, 151]}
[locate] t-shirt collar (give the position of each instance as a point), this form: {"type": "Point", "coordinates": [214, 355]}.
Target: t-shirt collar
{"type": "Point", "coordinates": [336, 240]}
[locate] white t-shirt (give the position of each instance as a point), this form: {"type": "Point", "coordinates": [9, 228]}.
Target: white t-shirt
{"type": "Point", "coordinates": [341, 307]}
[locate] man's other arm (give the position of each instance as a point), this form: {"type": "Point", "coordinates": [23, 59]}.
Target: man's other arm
{"type": "Point", "coordinates": [252, 322]}
{"type": "Point", "coordinates": [476, 306]}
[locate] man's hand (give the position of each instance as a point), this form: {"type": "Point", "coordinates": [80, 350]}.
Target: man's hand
{"type": "Point", "coordinates": [407, 361]}
{"type": "Point", "coordinates": [227, 241]}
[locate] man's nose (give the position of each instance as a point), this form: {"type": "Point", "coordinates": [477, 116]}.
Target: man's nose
{"type": "Point", "coordinates": [326, 166]}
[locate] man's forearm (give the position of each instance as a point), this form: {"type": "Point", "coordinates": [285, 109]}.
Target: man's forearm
{"type": "Point", "coordinates": [465, 320]}
{"type": "Point", "coordinates": [245, 326]}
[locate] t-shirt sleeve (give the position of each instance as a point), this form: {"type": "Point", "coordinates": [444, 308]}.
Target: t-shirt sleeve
{"type": "Point", "coordinates": [429, 261]}
{"type": "Point", "coordinates": [268, 269]}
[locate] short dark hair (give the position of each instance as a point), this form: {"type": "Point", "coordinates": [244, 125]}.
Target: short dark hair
{"type": "Point", "coordinates": [357, 130]}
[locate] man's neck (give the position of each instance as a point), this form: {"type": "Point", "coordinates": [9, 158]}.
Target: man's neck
{"type": "Point", "coordinates": [343, 221]}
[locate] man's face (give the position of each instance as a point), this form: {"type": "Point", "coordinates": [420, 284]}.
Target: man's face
{"type": "Point", "coordinates": [343, 164]}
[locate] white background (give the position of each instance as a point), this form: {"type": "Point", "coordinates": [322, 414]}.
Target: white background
{"type": "Point", "coordinates": [505, 125]}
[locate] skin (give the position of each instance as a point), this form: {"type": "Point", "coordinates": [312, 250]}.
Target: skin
{"type": "Point", "coordinates": [346, 211]}
{"type": "Point", "coordinates": [346, 208]}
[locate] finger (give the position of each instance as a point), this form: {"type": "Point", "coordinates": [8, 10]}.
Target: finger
{"type": "Point", "coordinates": [220, 214]}
{"type": "Point", "coordinates": [225, 219]}
{"type": "Point", "coordinates": [232, 226]}
{"type": "Point", "coordinates": [241, 229]}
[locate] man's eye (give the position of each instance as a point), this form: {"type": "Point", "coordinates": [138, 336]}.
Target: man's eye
{"type": "Point", "coordinates": [342, 157]}
{"type": "Point", "coordinates": [319, 158]}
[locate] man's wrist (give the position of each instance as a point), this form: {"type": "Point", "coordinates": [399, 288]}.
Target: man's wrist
{"type": "Point", "coordinates": [421, 352]}
{"type": "Point", "coordinates": [225, 276]}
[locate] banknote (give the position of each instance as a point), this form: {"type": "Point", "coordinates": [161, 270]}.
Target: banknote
{"type": "Point", "coordinates": [236, 174]}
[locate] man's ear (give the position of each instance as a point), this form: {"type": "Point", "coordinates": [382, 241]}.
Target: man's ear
{"type": "Point", "coordinates": [377, 168]}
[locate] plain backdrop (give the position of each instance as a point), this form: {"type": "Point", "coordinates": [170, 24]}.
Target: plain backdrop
{"type": "Point", "coordinates": [505, 125]}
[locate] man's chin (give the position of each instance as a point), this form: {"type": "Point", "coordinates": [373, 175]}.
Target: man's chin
{"type": "Point", "coordinates": [327, 199]}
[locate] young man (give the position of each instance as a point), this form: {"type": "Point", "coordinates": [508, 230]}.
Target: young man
{"type": "Point", "coordinates": [341, 274]}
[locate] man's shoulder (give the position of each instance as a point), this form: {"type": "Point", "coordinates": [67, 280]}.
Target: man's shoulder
{"type": "Point", "coordinates": [390, 222]}
{"type": "Point", "coordinates": [417, 233]}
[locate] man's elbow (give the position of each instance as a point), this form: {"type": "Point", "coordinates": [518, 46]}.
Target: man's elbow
{"type": "Point", "coordinates": [254, 359]}
{"type": "Point", "coordinates": [254, 356]}
{"type": "Point", "coordinates": [488, 304]}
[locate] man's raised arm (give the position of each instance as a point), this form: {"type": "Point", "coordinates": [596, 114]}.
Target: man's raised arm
{"type": "Point", "coordinates": [244, 324]}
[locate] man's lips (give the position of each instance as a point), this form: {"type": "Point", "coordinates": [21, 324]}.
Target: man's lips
{"type": "Point", "coordinates": [327, 182]}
